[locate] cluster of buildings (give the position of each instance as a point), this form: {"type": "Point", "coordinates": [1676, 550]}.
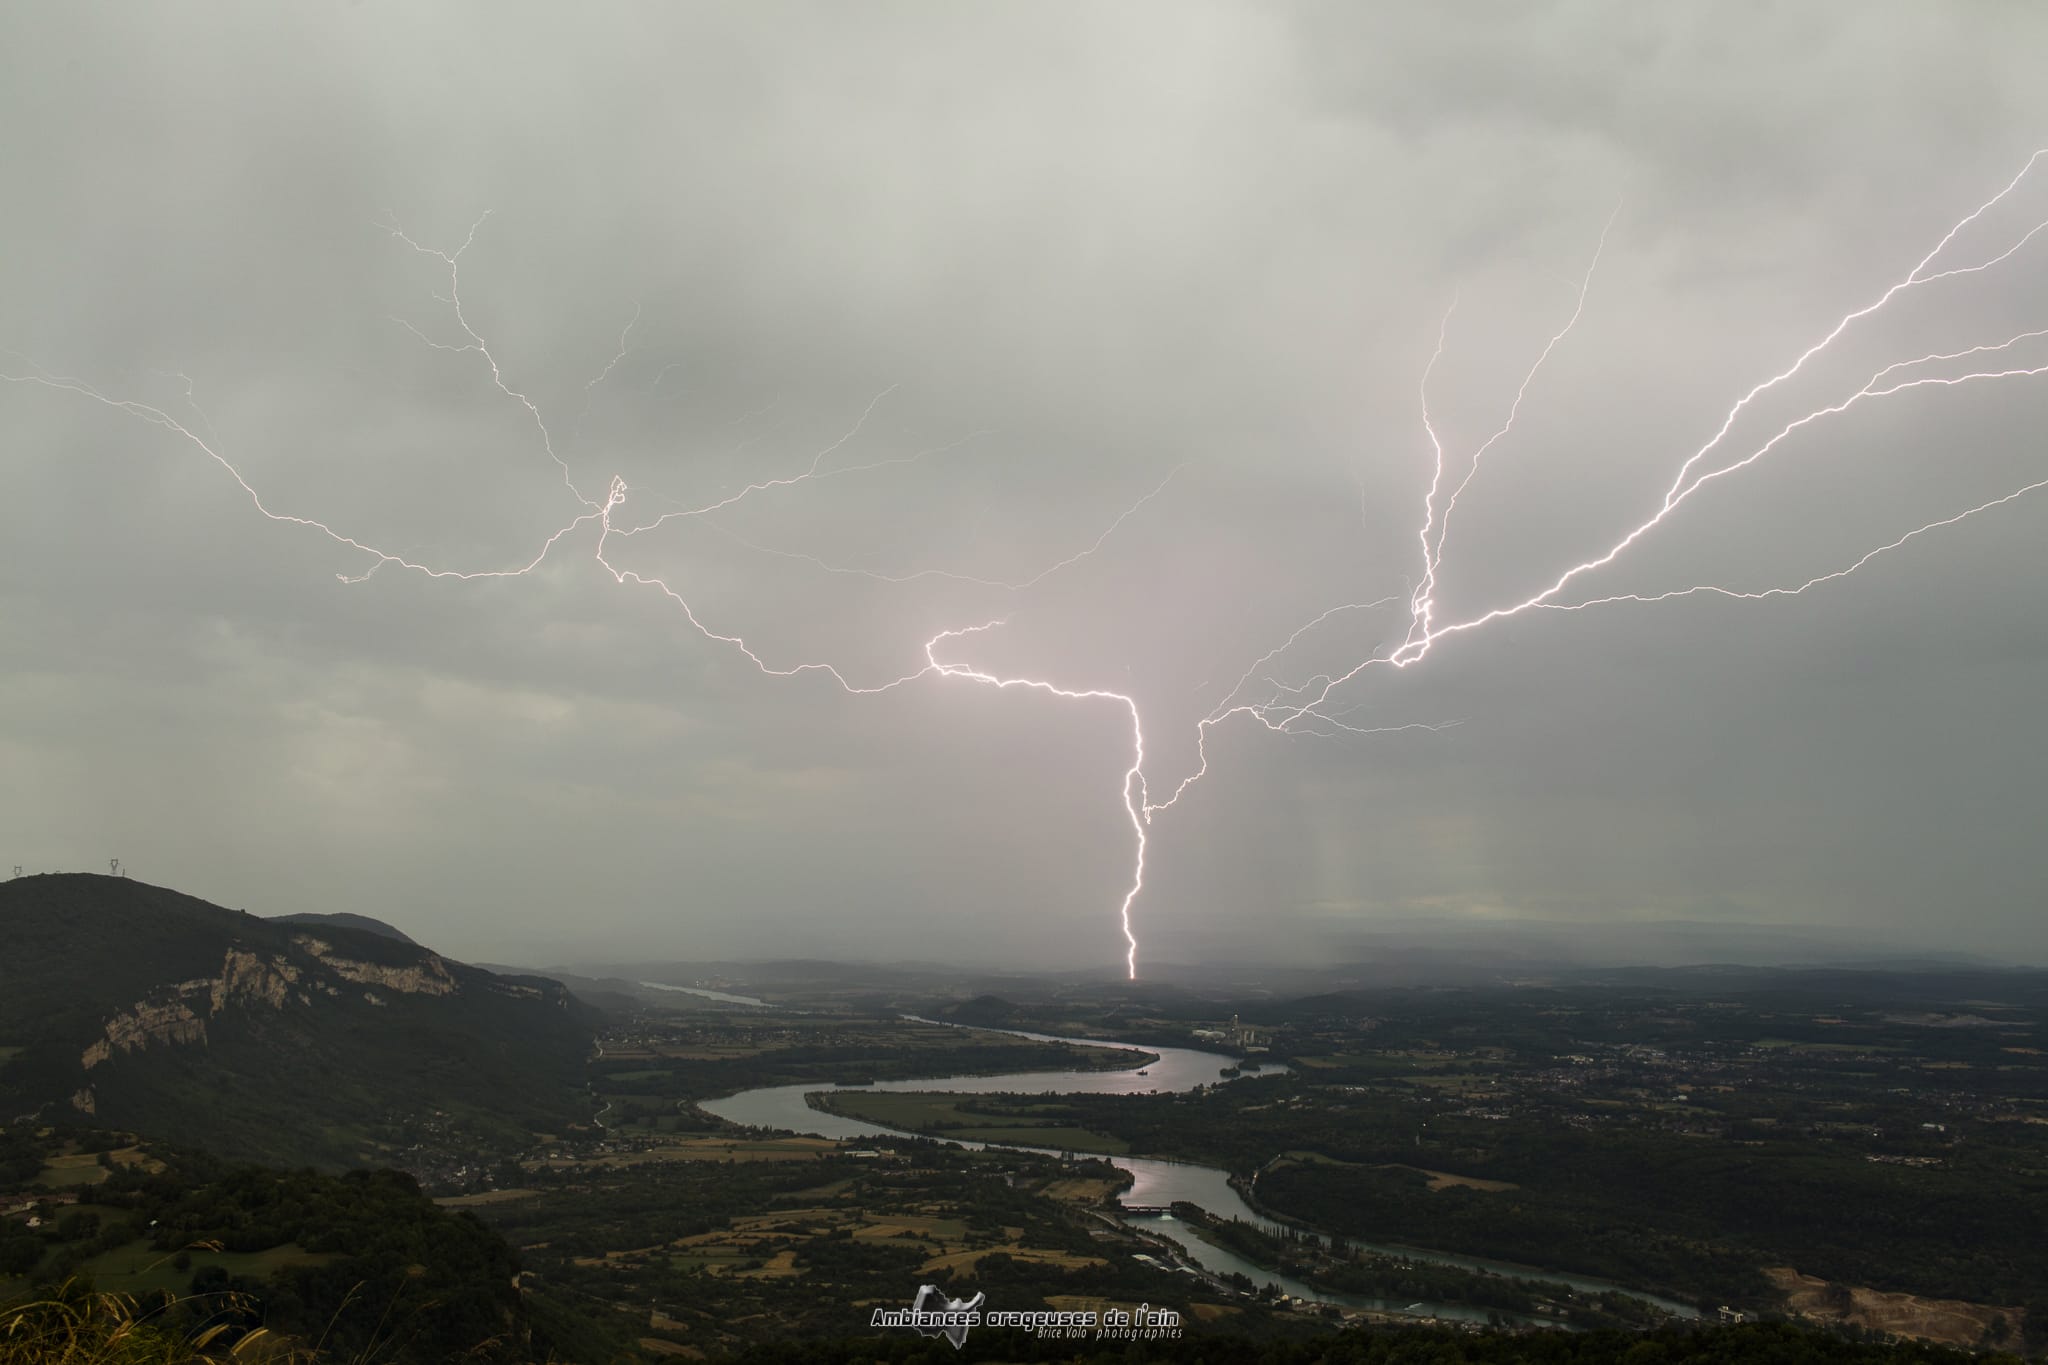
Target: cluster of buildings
{"type": "Point", "coordinates": [1237, 1035]}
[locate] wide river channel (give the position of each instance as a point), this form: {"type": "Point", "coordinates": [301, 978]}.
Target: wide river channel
{"type": "Point", "coordinates": [1156, 1182]}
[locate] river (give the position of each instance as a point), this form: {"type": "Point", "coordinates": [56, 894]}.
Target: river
{"type": "Point", "coordinates": [1156, 1182]}
{"type": "Point", "coordinates": [723, 997]}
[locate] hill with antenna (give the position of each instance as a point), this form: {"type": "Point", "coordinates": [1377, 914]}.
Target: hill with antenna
{"type": "Point", "coordinates": [131, 1006]}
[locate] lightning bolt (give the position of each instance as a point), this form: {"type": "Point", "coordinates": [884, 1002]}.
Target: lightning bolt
{"type": "Point", "coordinates": [452, 263]}
{"type": "Point", "coordinates": [1434, 557]}
{"type": "Point", "coordinates": [602, 514]}
{"type": "Point", "coordinates": [1282, 709]}
{"type": "Point", "coordinates": [1301, 709]}
{"type": "Point", "coordinates": [1424, 633]}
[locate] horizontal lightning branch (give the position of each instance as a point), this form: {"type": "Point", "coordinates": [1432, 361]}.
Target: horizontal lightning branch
{"type": "Point", "coordinates": [1301, 709]}
{"type": "Point", "coordinates": [602, 515]}
{"type": "Point", "coordinates": [1424, 633]}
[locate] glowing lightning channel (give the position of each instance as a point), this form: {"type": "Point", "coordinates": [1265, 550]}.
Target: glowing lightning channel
{"type": "Point", "coordinates": [1284, 709]}
{"type": "Point", "coordinates": [1296, 716]}
{"type": "Point", "coordinates": [1817, 579]}
{"type": "Point", "coordinates": [1913, 277]}
{"type": "Point", "coordinates": [601, 513]}
{"type": "Point", "coordinates": [787, 481]}
{"type": "Point", "coordinates": [813, 475]}
{"type": "Point", "coordinates": [1135, 804]}
{"type": "Point", "coordinates": [625, 348]}
{"type": "Point", "coordinates": [1424, 633]}
{"type": "Point", "coordinates": [1436, 556]}
{"type": "Point", "coordinates": [158, 417]}
{"type": "Point", "coordinates": [453, 298]}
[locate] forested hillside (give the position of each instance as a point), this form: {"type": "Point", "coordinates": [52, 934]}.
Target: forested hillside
{"type": "Point", "coordinates": [132, 1006]}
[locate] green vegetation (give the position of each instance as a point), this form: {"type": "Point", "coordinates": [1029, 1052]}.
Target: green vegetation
{"type": "Point", "coordinates": [1677, 1132]}
{"type": "Point", "coordinates": [1342, 1269]}
{"type": "Point", "coordinates": [651, 1069]}
{"type": "Point", "coordinates": [81, 1328]}
{"type": "Point", "coordinates": [717, 1256]}
{"type": "Point", "coordinates": [1012, 1119]}
{"type": "Point", "coordinates": [1827, 1144]}
{"type": "Point", "coordinates": [361, 1264]}
{"type": "Point", "coordinates": [1748, 1344]}
{"type": "Point", "coordinates": [129, 1005]}
{"type": "Point", "coordinates": [140, 1266]}
{"type": "Point", "coordinates": [73, 1325]}
{"type": "Point", "coordinates": [1667, 1212]}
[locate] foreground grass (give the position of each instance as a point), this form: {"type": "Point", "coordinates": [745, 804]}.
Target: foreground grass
{"type": "Point", "coordinates": [138, 1268]}
{"type": "Point", "coordinates": [77, 1326]}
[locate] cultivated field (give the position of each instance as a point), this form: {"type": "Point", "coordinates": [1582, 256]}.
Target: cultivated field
{"type": "Point", "coordinates": [1438, 1180]}
{"type": "Point", "coordinates": [971, 1118]}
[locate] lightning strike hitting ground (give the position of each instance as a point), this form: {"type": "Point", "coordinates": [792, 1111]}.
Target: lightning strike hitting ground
{"type": "Point", "coordinates": [1297, 709]}
{"type": "Point", "coordinates": [601, 514]}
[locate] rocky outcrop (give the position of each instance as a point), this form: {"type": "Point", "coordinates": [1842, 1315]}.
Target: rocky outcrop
{"type": "Point", "coordinates": [130, 1007]}
{"type": "Point", "coordinates": [169, 1022]}
{"type": "Point", "coordinates": [245, 976]}
{"type": "Point", "coordinates": [1955, 1322]}
{"type": "Point", "coordinates": [177, 1014]}
{"type": "Point", "coordinates": [430, 977]}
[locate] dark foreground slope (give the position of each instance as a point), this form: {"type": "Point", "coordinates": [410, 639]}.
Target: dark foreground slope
{"type": "Point", "coordinates": [1751, 1344]}
{"type": "Point", "coordinates": [131, 1006]}
{"type": "Point", "coordinates": [282, 1267]}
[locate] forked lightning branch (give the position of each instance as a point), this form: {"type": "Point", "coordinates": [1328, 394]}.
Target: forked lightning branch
{"type": "Point", "coordinates": [1981, 241]}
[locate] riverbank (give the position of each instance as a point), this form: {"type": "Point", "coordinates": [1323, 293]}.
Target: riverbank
{"type": "Point", "coordinates": [1331, 1264]}
{"type": "Point", "coordinates": [1156, 1182]}
{"type": "Point", "coordinates": [968, 1118]}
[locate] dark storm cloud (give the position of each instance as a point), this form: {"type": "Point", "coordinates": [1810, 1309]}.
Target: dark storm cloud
{"type": "Point", "coordinates": [1086, 246]}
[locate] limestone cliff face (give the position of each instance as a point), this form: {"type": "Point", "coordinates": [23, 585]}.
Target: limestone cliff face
{"type": "Point", "coordinates": [428, 978]}
{"type": "Point", "coordinates": [171, 1021]}
{"type": "Point", "coordinates": [245, 976]}
{"type": "Point", "coordinates": [176, 1014]}
{"type": "Point", "coordinates": [131, 1007]}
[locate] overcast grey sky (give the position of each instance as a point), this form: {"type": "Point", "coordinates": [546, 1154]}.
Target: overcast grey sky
{"type": "Point", "coordinates": [1072, 248]}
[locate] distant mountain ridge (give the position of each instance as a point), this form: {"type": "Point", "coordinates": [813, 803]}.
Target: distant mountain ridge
{"type": "Point", "coordinates": [329, 1043]}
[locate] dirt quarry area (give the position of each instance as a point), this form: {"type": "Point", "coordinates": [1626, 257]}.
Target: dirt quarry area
{"type": "Point", "coordinates": [1952, 1322]}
